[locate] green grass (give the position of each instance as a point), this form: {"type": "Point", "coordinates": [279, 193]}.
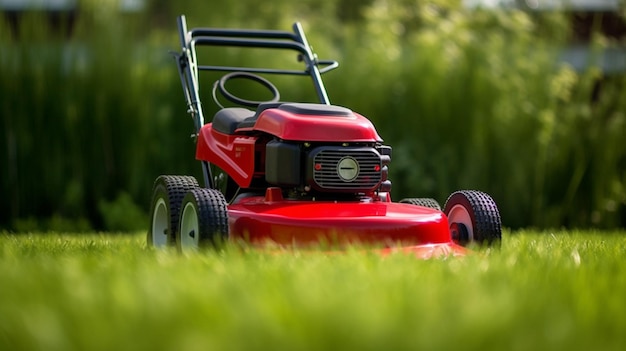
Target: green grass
{"type": "Point", "coordinates": [541, 291]}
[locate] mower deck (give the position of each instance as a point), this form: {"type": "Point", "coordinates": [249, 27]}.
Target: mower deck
{"type": "Point", "coordinates": [272, 220]}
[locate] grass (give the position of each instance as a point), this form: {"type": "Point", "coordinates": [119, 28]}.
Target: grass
{"type": "Point", "coordinates": [541, 291]}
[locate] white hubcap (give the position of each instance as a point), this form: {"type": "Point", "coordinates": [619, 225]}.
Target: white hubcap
{"type": "Point", "coordinates": [189, 229]}
{"type": "Point", "coordinates": [459, 214]}
{"type": "Point", "coordinates": [160, 223]}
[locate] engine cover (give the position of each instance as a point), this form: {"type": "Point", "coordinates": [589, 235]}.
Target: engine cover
{"type": "Point", "coordinates": [343, 169]}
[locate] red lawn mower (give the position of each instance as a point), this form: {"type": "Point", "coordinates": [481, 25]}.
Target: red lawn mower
{"type": "Point", "coordinates": [297, 174]}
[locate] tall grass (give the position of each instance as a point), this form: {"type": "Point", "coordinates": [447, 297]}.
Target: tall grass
{"type": "Point", "coordinates": [477, 100]}
{"type": "Point", "coordinates": [543, 291]}
{"type": "Point", "coordinates": [468, 99]}
{"type": "Point", "coordinates": [86, 118]}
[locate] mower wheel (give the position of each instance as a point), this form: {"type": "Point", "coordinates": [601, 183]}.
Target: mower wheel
{"type": "Point", "coordinates": [203, 220]}
{"type": "Point", "coordinates": [473, 218]}
{"type": "Point", "coordinates": [168, 192]}
{"type": "Point", "coordinates": [422, 201]}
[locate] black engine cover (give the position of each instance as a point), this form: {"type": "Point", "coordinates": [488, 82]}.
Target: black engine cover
{"type": "Point", "coordinates": [283, 164]}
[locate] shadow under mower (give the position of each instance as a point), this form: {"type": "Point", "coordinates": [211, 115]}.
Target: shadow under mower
{"type": "Point", "coordinates": [294, 174]}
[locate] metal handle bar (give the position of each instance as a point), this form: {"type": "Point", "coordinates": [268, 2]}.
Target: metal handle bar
{"type": "Point", "coordinates": [242, 33]}
{"type": "Point", "coordinates": [249, 42]}
{"type": "Point", "coordinates": [255, 43]}
{"type": "Point", "coordinates": [330, 66]}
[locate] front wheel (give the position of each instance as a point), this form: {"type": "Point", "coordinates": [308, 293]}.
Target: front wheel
{"type": "Point", "coordinates": [167, 194]}
{"type": "Point", "coordinates": [203, 220]}
{"type": "Point", "coordinates": [473, 218]}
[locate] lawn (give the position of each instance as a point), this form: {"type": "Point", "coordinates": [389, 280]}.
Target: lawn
{"type": "Point", "coordinates": [541, 291]}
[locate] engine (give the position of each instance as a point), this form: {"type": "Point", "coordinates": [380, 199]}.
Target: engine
{"type": "Point", "coordinates": [343, 168]}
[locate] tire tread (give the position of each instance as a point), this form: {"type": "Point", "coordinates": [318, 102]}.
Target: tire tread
{"type": "Point", "coordinates": [484, 212]}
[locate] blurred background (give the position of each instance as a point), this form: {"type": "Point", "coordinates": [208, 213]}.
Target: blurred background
{"type": "Point", "coordinates": [522, 99]}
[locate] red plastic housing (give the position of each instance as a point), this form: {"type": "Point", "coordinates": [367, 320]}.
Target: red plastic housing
{"type": "Point", "coordinates": [232, 153]}
{"type": "Point", "coordinates": [295, 127]}
{"type": "Point", "coordinates": [269, 219]}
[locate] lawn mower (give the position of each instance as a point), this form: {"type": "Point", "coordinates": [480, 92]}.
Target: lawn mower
{"type": "Point", "coordinates": [293, 174]}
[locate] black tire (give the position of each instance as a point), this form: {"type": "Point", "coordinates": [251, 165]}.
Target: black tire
{"type": "Point", "coordinates": [422, 201]}
{"type": "Point", "coordinates": [203, 220]}
{"type": "Point", "coordinates": [167, 196]}
{"type": "Point", "coordinates": [473, 217]}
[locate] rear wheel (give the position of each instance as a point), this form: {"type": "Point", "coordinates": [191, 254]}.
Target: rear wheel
{"type": "Point", "coordinates": [203, 221]}
{"type": "Point", "coordinates": [167, 194]}
{"type": "Point", "coordinates": [422, 201]}
{"type": "Point", "coordinates": [473, 218]}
